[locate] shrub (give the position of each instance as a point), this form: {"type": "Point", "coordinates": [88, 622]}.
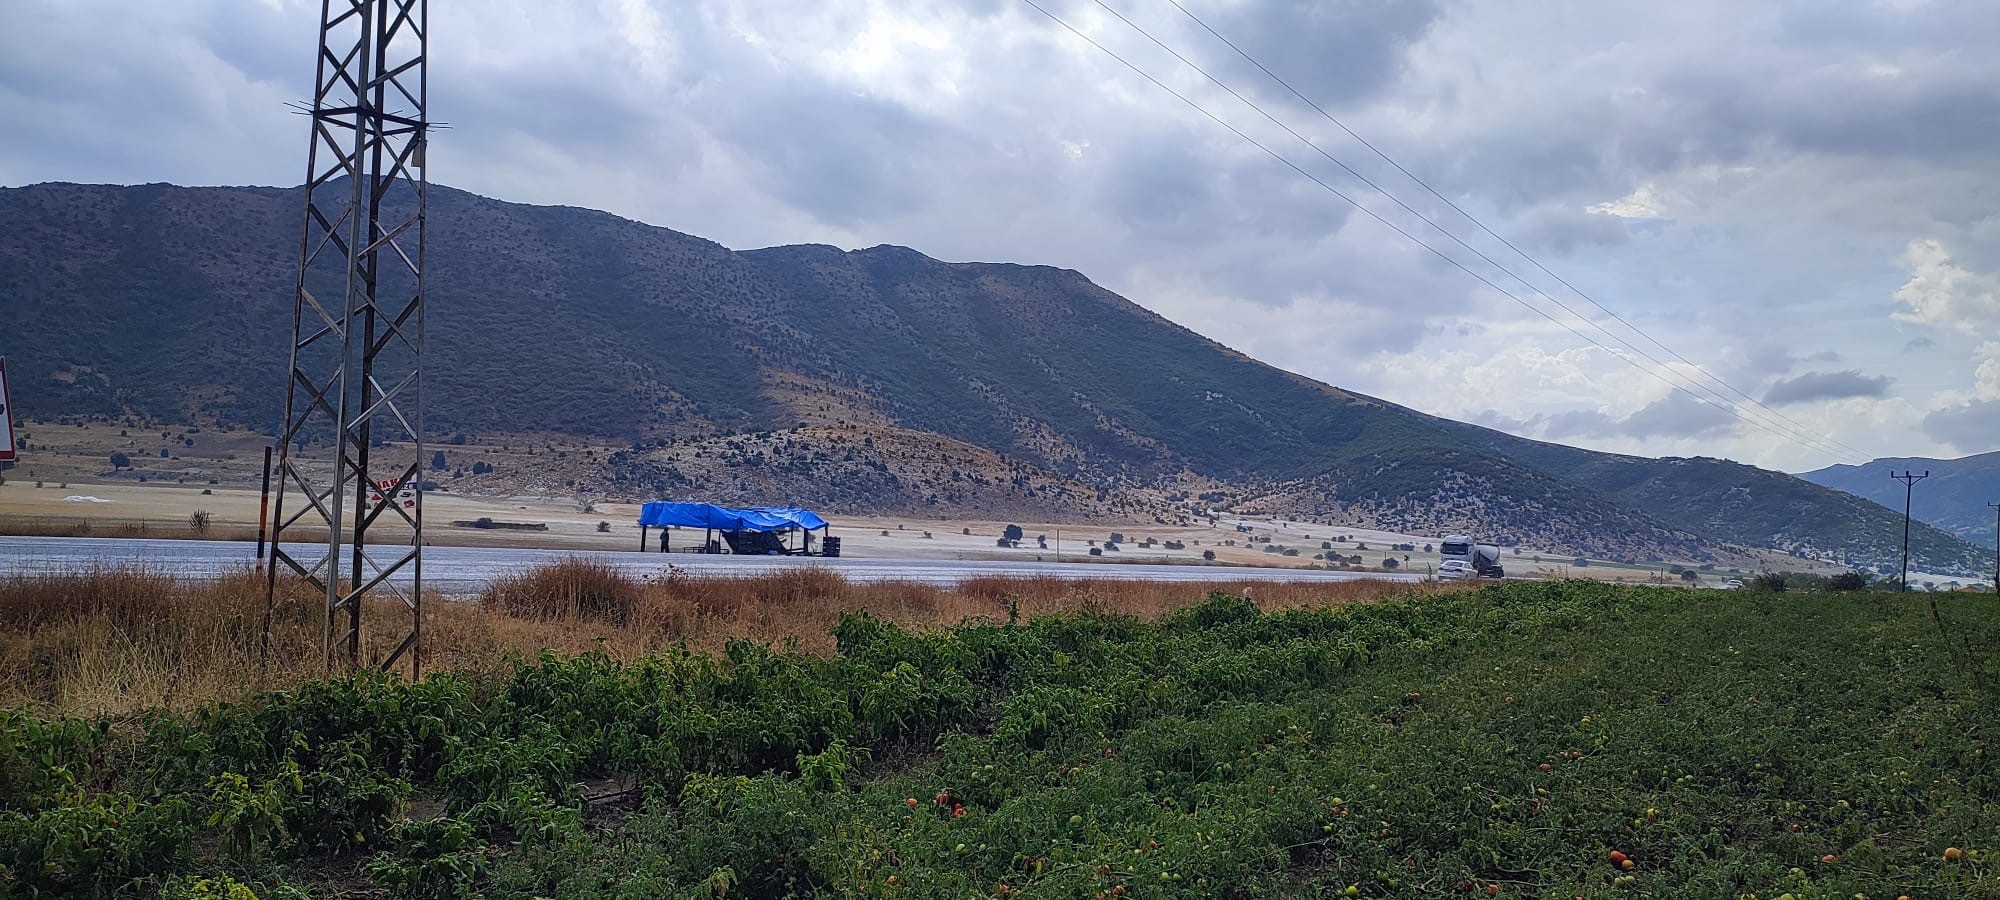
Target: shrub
{"type": "Point", "coordinates": [1848, 581]}
{"type": "Point", "coordinates": [575, 588]}
{"type": "Point", "coordinates": [200, 520]}
{"type": "Point", "coordinates": [1769, 581]}
{"type": "Point", "coordinates": [120, 460]}
{"type": "Point", "coordinates": [1390, 563]}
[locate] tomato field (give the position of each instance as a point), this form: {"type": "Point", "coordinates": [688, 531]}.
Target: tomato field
{"type": "Point", "coordinates": [1522, 740]}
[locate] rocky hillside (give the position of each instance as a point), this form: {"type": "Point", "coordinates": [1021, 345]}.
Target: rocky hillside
{"type": "Point", "coordinates": [989, 385]}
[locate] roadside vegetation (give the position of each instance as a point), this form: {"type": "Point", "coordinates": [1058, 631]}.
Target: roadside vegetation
{"type": "Point", "coordinates": [119, 641]}
{"type": "Point", "coordinates": [1525, 739]}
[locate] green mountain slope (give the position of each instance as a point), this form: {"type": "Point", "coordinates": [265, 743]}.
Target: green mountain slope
{"type": "Point", "coordinates": [173, 303]}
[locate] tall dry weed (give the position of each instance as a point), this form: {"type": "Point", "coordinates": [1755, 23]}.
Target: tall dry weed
{"type": "Point", "coordinates": [117, 640]}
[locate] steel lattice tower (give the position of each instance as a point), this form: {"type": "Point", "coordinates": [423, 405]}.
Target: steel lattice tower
{"type": "Point", "coordinates": [352, 446]}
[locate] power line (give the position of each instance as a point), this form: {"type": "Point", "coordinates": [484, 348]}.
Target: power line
{"type": "Point", "coordinates": [1489, 231]}
{"type": "Point", "coordinates": [1688, 385]}
{"type": "Point", "coordinates": [1729, 408]}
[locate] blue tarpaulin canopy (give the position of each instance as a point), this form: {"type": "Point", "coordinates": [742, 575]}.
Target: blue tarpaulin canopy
{"type": "Point", "coordinates": [663, 513]}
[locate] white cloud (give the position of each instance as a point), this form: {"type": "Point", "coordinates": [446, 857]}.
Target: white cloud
{"type": "Point", "coordinates": [1943, 294]}
{"type": "Point", "coordinates": [1763, 177]}
{"type": "Point", "coordinates": [1644, 202]}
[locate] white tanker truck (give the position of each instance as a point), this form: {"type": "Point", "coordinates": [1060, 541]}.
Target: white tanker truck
{"type": "Point", "coordinates": [1460, 557]}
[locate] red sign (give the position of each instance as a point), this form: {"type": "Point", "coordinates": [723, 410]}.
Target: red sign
{"type": "Point", "coordinates": [6, 417]}
{"type": "Point", "coordinates": [407, 496]}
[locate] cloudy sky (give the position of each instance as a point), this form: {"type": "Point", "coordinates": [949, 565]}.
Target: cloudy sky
{"type": "Point", "coordinates": [1801, 197]}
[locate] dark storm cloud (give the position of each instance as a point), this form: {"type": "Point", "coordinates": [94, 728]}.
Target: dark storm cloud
{"type": "Point", "coordinates": [1973, 427]}
{"type": "Point", "coordinates": [1336, 52]}
{"type": "Point", "coordinates": [1813, 386]}
{"type": "Point", "coordinates": [1561, 230]}
{"type": "Point", "coordinates": [1163, 190]}
{"type": "Point", "coordinates": [1676, 415]}
{"type": "Point", "coordinates": [846, 159]}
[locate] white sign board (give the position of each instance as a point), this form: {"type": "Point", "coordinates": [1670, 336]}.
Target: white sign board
{"type": "Point", "coordinates": [6, 417]}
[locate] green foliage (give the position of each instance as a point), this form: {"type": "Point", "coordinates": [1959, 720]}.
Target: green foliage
{"type": "Point", "coordinates": [247, 817]}
{"type": "Point", "coordinates": [1511, 735]}
{"type": "Point", "coordinates": [1848, 581]}
{"type": "Point", "coordinates": [1775, 582]}
{"type": "Point", "coordinates": [437, 859]}
{"type": "Point", "coordinates": [94, 844]}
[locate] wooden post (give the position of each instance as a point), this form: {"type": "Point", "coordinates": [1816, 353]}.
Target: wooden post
{"type": "Point", "coordinates": [264, 507]}
{"type": "Point", "coordinates": [642, 537]}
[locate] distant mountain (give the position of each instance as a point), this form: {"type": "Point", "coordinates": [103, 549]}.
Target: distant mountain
{"type": "Point", "coordinates": [1954, 498]}
{"type": "Point", "coordinates": [872, 380]}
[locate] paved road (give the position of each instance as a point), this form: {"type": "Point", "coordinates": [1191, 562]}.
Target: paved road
{"type": "Point", "coordinates": [465, 570]}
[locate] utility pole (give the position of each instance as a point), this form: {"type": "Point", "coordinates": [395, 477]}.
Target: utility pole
{"type": "Point", "coordinates": [1996, 547]}
{"type": "Point", "coordinates": [1909, 481]}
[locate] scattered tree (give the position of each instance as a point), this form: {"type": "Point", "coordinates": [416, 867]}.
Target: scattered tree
{"type": "Point", "coordinates": [437, 461]}
{"type": "Point", "coordinates": [1390, 563]}
{"type": "Point", "coordinates": [120, 460]}
{"type": "Point", "coordinates": [1011, 532]}
{"type": "Point", "coordinates": [1848, 581]}
{"type": "Point", "coordinates": [1769, 581]}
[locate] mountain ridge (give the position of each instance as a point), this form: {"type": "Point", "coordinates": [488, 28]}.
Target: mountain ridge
{"type": "Point", "coordinates": [172, 302]}
{"type": "Point", "coordinates": [1954, 498]}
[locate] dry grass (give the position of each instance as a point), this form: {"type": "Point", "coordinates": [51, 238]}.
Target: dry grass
{"type": "Point", "coordinates": [118, 640]}
{"type": "Point", "coordinates": [48, 526]}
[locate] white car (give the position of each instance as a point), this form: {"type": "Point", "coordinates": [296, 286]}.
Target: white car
{"type": "Point", "coordinates": [1732, 585]}
{"type": "Point", "coordinates": [1454, 570]}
